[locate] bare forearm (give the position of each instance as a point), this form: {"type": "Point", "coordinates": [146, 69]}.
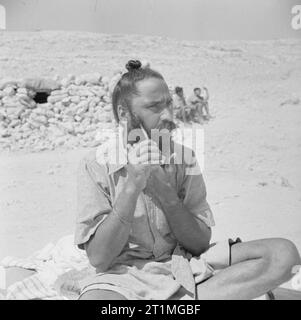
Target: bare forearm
{"type": "Point", "coordinates": [112, 235]}
{"type": "Point", "coordinates": [207, 94]}
{"type": "Point", "coordinates": [192, 234]}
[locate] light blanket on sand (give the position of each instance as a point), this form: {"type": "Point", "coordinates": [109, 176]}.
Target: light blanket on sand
{"type": "Point", "coordinates": [59, 269]}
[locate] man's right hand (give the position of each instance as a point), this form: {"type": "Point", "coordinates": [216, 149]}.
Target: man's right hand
{"type": "Point", "coordinates": [142, 157]}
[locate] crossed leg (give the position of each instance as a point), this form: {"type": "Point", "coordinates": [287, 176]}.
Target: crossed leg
{"type": "Point", "coordinates": [257, 267]}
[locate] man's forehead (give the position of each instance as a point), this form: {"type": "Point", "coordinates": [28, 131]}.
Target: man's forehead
{"type": "Point", "coordinates": [153, 89]}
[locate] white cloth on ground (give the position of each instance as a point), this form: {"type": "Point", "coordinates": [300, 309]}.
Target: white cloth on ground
{"type": "Point", "coordinates": [59, 268]}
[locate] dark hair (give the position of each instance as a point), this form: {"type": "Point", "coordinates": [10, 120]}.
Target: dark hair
{"type": "Point", "coordinates": [178, 89]}
{"type": "Point", "coordinates": [126, 86]}
{"type": "Point", "coordinates": [195, 89]}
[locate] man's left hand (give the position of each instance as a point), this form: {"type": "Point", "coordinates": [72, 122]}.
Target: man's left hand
{"type": "Point", "coordinates": [160, 185]}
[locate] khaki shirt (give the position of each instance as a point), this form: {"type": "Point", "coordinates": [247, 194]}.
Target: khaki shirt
{"type": "Point", "coordinates": [100, 182]}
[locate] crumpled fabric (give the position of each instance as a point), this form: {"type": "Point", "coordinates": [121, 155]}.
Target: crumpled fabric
{"type": "Point", "coordinates": [188, 270]}
{"type": "Point", "coordinates": [59, 268]}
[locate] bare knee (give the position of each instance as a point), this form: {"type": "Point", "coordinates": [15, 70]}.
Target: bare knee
{"type": "Point", "coordinates": [101, 295]}
{"type": "Point", "coordinates": [281, 256]}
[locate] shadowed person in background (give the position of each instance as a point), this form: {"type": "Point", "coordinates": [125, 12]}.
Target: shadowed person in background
{"type": "Point", "coordinates": [181, 111]}
{"type": "Point", "coordinates": [197, 102]}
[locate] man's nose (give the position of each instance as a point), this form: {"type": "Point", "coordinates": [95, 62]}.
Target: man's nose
{"type": "Point", "coordinates": [166, 115]}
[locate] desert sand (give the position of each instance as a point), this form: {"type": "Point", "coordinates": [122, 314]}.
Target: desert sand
{"type": "Point", "coordinates": [253, 145]}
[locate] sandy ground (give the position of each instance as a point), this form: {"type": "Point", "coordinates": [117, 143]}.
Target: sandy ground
{"type": "Point", "coordinates": [253, 146]}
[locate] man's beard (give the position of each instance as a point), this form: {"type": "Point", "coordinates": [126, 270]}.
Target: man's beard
{"type": "Point", "coordinates": [170, 126]}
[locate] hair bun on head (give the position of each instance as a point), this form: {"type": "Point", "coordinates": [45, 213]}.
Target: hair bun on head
{"type": "Point", "coordinates": [133, 65]}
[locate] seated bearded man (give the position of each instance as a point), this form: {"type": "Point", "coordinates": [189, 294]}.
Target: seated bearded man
{"type": "Point", "coordinates": [146, 226]}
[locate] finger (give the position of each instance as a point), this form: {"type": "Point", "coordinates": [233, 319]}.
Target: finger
{"type": "Point", "coordinates": [135, 154]}
{"type": "Point", "coordinates": [143, 168]}
{"type": "Point", "coordinates": [132, 156]}
{"type": "Point", "coordinates": [147, 149]}
{"type": "Point", "coordinates": [146, 144]}
{"type": "Point", "coordinates": [152, 165]}
{"type": "Point", "coordinates": [150, 157]}
{"type": "Point", "coordinates": [142, 147]}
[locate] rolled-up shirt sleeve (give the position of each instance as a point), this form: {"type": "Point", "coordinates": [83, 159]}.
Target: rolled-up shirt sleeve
{"type": "Point", "coordinates": [93, 200]}
{"type": "Point", "coordinates": [194, 197]}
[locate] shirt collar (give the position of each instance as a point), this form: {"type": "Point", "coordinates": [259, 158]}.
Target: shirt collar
{"type": "Point", "coordinates": [113, 153]}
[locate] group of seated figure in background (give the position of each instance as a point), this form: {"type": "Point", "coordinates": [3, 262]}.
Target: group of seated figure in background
{"type": "Point", "coordinates": [195, 108]}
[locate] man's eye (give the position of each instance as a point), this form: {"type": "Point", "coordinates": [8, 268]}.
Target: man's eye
{"type": "Point", "coordinates": [155, 108]}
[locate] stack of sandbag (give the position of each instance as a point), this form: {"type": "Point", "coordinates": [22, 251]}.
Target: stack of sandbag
{"type": "Point", "coordinates": [76, 108]}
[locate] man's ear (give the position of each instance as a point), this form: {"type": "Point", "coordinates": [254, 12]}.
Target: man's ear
{"type": "Point", "coordinates": [122, 113]}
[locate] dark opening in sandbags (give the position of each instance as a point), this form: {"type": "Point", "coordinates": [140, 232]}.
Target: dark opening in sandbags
{"type": "Point", "coordinates": [41, 97]}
